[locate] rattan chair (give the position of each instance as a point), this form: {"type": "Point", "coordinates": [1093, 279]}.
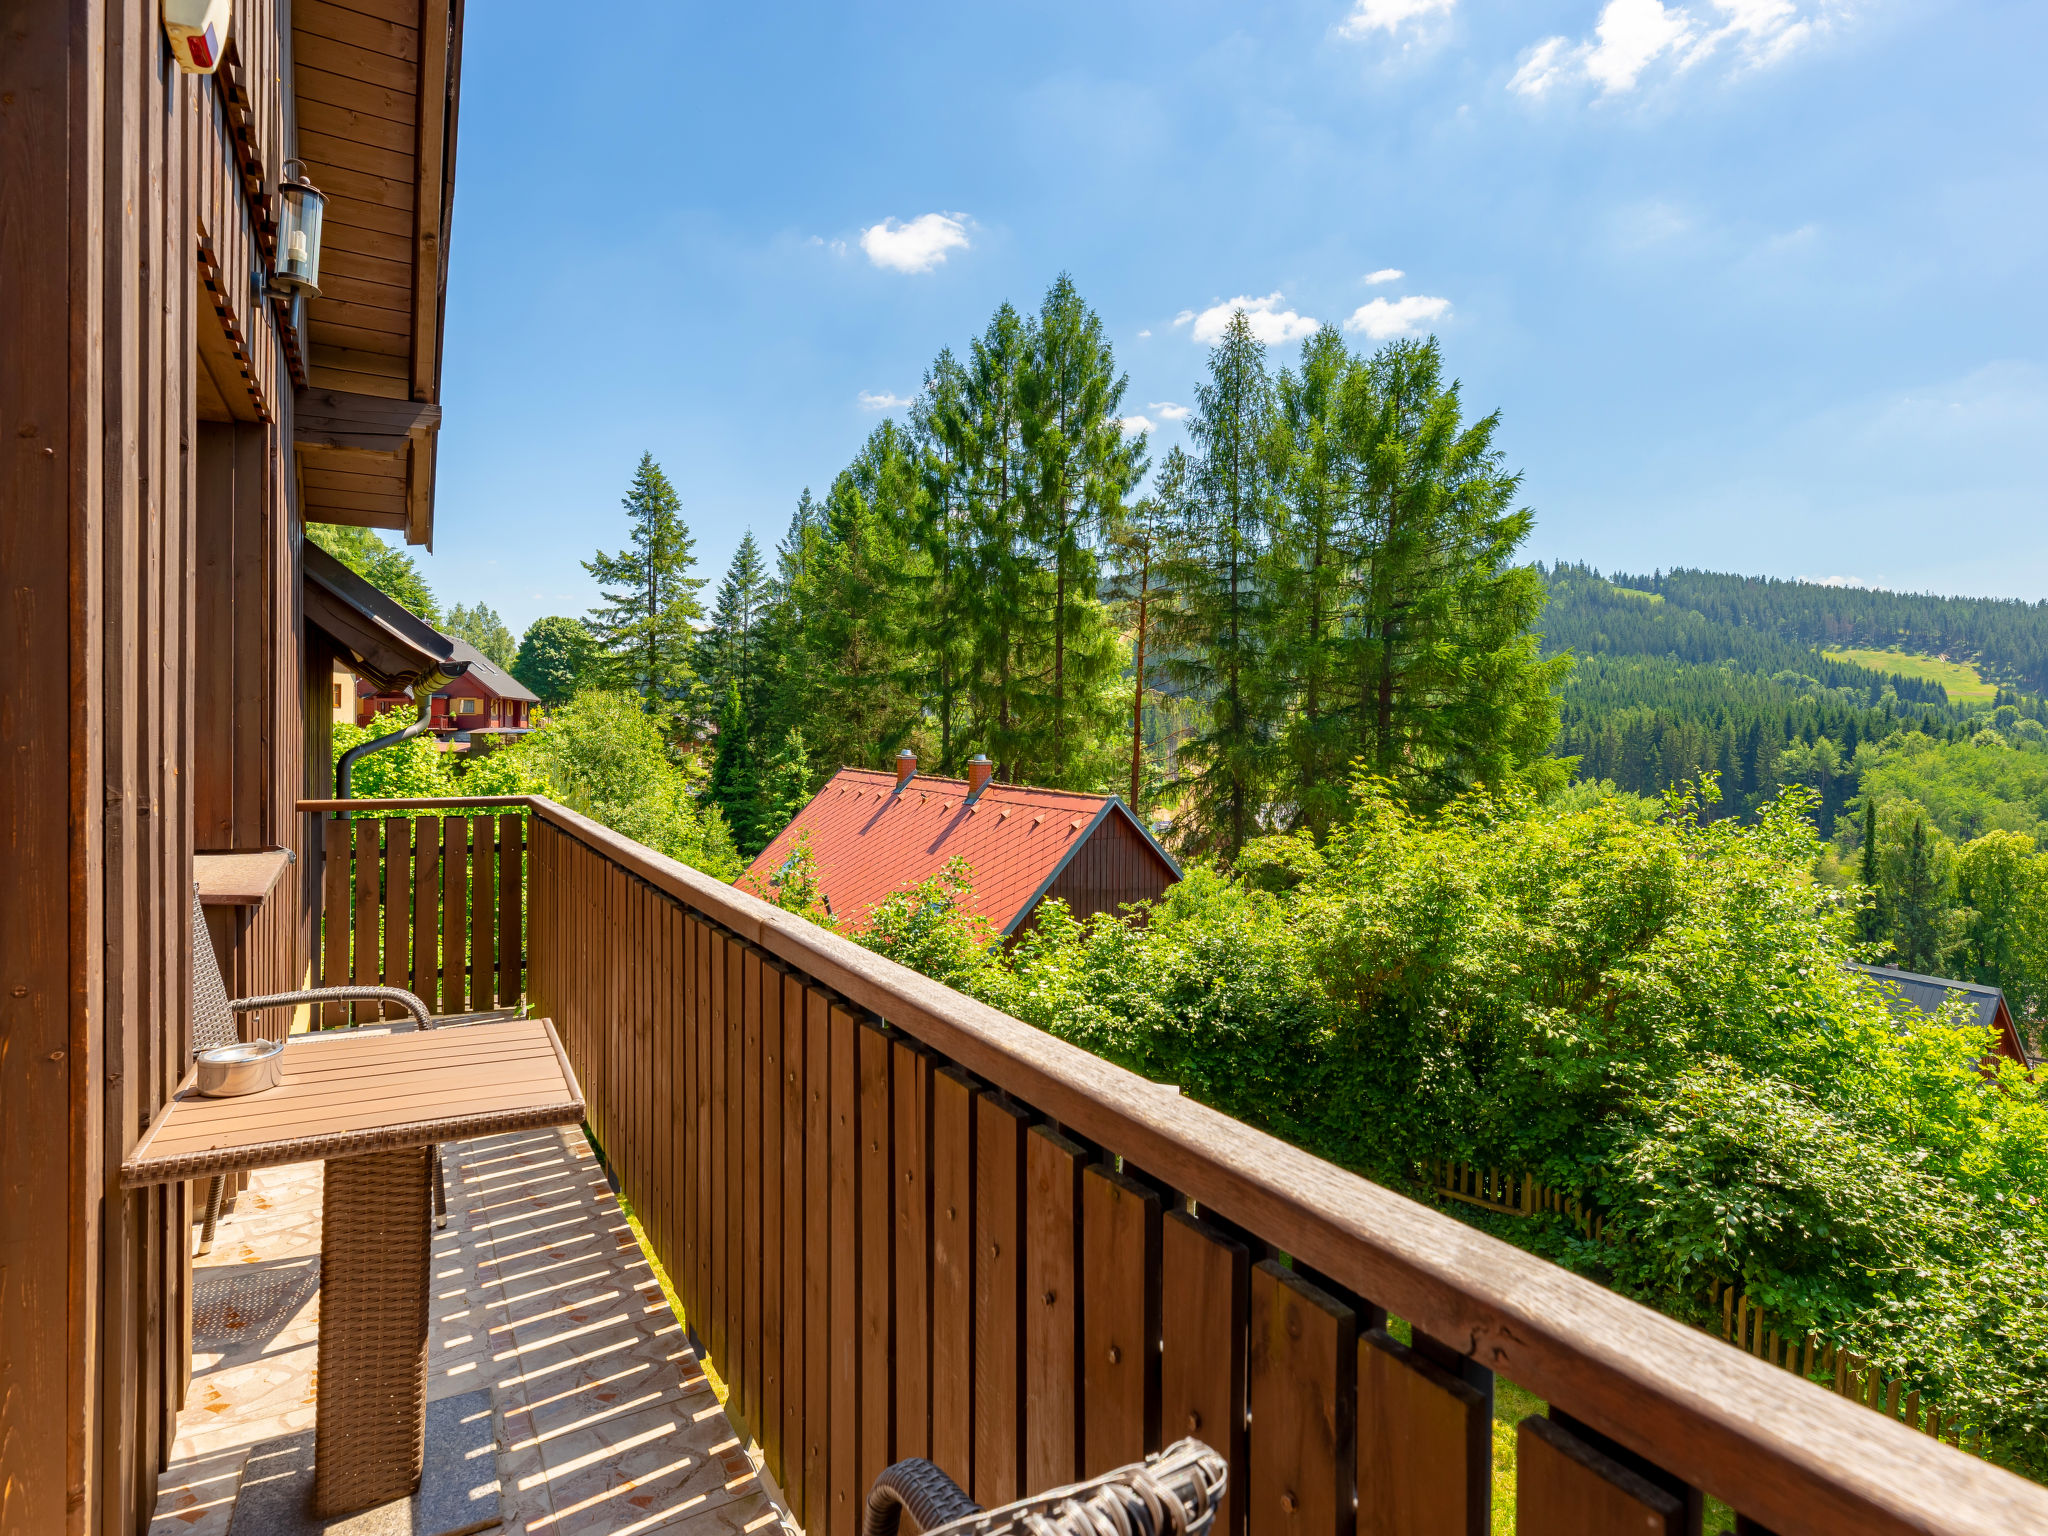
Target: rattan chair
{"type": "Point", "coordinates": [214, 1023]}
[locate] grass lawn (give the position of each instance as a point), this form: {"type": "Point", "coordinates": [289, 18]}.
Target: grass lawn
{"type": "Point", "coordinates": [1958, 677]}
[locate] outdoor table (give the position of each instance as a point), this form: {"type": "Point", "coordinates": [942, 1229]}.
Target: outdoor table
{"type": "Point", "coordinates": [371, 1105]}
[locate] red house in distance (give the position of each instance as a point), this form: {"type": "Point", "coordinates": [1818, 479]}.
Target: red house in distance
{"type": "Point", "coordinates": [873, 833]}
{"type": "Point", "coordinates": [485, 698]}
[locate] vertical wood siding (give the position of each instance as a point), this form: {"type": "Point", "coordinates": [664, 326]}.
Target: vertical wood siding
{"type": "Point", "coordinates": [115, 164]}
{"type": "Point", "coordinates": [1115, 866]}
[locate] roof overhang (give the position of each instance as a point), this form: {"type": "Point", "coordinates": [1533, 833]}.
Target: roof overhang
{"type": "Point", "coordinates": [379, 638]}
{"type": "Point", "coordinates": [374, 99]}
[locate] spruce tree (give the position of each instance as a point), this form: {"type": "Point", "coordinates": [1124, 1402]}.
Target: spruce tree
{"type": "Point", "coordinates": [1874, 919]}
{"type": "Point", "coordinates": [941, 534]}
{"type": "Point", "coordinates": [644, 628]}
{"type": "Point", "coordinates": [1080, 467]}
{"type": "Point", "coordinates": [1137, 555]}
{"type": "Point", "coordinates": [729, 655]}
{"type": "Point", "coordinates": [735, 783]}
{"type": "Point", "coordinates": [1448, 688]}
{"type": "Point", "coordinates": [1309, 574]}
{"type": "Point", "coordinates": [1218, 628]}
{"type": "Point", "coordinates": [1925, 917]}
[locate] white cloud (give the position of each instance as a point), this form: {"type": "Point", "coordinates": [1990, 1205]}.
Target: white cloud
{"type": "Point", "coordinates": [1167, 410]}
{"type": "Point", "coordinates": [1269, 322]}
{"type": "Point", "coordinates": [1631, 36]}
{"type": "Point", "coordinates": [1144, 335]}
{"type": "Point", "coordinates": [1385, 275]}
{"type": "Point", "coordinates": [885, 401]}
{"type": "Point", "coordinates": [1384, 319]}
{"type": "Point", "coordinates": [1389, 16]}
{"type": "Point", "coordinates": [1132, 424]}
{"type": "Point", "coordinates": [920, 244]}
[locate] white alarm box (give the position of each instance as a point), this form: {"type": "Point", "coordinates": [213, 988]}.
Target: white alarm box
{"type": "Point", "coordinates": [198, 30]}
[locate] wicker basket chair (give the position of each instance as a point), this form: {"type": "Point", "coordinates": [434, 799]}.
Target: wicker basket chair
{"type": "Point", "coordinates": [214, 1023]}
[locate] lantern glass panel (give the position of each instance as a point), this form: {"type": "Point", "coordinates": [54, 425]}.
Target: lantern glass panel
{"type": "Point", "coordinates": [298, 237]}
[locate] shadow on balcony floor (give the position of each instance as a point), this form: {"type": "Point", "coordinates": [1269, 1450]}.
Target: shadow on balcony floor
{"type": "Point", "coordinates": [605, 1423]}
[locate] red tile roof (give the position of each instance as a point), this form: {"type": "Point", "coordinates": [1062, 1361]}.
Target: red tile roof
{"type": "Point", "coordinates": [869, 840]}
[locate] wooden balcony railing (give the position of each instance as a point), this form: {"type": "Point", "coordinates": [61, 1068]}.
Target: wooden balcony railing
{"type": "Point", "coordinates": [905, 1224]}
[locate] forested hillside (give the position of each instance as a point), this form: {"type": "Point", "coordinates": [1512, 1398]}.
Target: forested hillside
{"type": "Point", "coordinates": [1665, 691]}
{"type": "Point", "coordinates": [2006, 638]}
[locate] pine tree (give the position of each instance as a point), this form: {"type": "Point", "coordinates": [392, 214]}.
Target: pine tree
{"type": "Point", "coordinates": [1137, 552]}
{"type": "Point", "coordinates": [1218, 626]}
{"type": "Point", "coordinates": [644, 628]}
{"type": "Point", "coordinates": [942, 533]}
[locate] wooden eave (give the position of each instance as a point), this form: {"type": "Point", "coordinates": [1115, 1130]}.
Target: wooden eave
{"type": "Point", "coordinates": [378, 638]}
{"type": "Point", "coordinates": [375, 87]}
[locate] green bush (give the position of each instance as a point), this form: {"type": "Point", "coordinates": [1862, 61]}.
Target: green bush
{"type": "Point", "coordinates": [1659, 1013]}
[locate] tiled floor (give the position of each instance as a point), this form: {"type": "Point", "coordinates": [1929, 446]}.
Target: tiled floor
{"type": "Point", "coordinates": [606, 1423]}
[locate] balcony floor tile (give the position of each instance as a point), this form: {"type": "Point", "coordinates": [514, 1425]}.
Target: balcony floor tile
{"type": "Point", "coordinates": [607, 1422]}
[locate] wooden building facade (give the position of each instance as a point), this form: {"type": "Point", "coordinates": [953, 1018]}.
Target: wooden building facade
{"type": "Point", "coordinates": [168, 426]}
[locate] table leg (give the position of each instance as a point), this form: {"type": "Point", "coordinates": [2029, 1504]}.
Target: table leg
{"type": "Point", "coordinates": [375, 1263]}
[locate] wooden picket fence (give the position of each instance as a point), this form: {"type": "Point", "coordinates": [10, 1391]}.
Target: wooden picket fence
{"type": "Point", "coordinates": [1510, 1194]}
{"type": "Point", "coordinates": [1747, 1325]}
{"type": "Point", "coordinates": [434, 904]}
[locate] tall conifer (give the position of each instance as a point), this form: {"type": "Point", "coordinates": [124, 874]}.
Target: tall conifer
{"type": "Point", "coordinates": [644, 627]}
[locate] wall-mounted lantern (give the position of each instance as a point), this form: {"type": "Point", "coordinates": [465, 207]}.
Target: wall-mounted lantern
{"type": "Point", "coordinates": [198, 32]}
{"type": "Point", "coordinates": [298, 235]}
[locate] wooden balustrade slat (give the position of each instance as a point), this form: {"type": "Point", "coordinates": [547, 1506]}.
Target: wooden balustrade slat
{"type": "Point", "coordinates": [751, 1025]}
{"type": "Point", "coordinates": [365, 959]}
{"type": "Point", "coordinates": [426, 903]}
{"type": "Point", "coordinates": [848, 1496]}
{"type": "Point", "coordinates": [697, 1103]}
{"type": "Point", "coordinates": [771, 1218]}
{"type": "Point", "coordinates": [952, 1239]}
{"type": "Point", "coordinates": [511, 924]}
{"type": "Point", "coordinates": [397, 863]}
{"type": "Point", "coordinates": [795, 1262]}
{"type": "Point", "coordinates": [1300, 1377]}
{"type": "Point", "coordinates": [455, 921]}
{"type": "Point", "coordinates": [675, 1075]}
{"type": "Point", "coordinates": [335, 886]}
{"type": "Point", "coordinates": [1052, 1288]}
{"type": "Point", "coordinates": [733, 1123]}
{"type": "Point", "coordinates": [910, 1119]}
{"type": "Point", "coordinates": [1563, 1487]}
{"type": "Point", "coordinates": [1119, 1319]}
{"type": "Point", "coordinates": [483, 915]}
{"type": "Point", "coordinates": [877, 1256]}
{"type": "Point", "coordinates": [999, 1406]}
{"type": "Point", "coordinates": [716, 1292]}
{"type": "Point", "coordinates": [819, 1260]}
{"type": "Point", "coordinates": [1204, 1302]}
{"type": "Point", "coordinates": [1424, 1445]}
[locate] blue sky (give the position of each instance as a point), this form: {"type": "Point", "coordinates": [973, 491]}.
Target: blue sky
{"type": "Point", "coordinates": [1755, 284]}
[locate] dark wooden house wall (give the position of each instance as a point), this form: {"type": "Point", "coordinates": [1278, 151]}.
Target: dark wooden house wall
{"type": "Point", "coordinates": [112, 166]}
{"type": "Point", "coordinates": [1116, 865]}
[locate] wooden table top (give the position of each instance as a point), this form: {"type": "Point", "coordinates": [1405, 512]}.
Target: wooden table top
{"type": "Point", "coordinates": [345, 1093]}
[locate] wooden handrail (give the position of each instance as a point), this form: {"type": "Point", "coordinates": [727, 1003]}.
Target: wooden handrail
{"type": "Point", "coordinates": [420, 803]}
{"type": "Point", "coordinates": [1784, 1451]}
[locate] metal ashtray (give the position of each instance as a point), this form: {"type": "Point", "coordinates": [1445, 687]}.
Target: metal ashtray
{"type": "Point", "coordinates": [228, 1071]}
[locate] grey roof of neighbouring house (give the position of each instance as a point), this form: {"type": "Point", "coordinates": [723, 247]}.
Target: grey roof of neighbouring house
{"type": "Point", "coordinates": [490, 674]}
{"type": "Point", "coordinates": [1928, 993]}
